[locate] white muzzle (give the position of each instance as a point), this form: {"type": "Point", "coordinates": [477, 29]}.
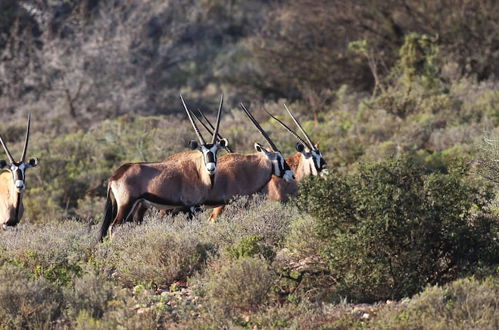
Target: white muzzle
{"type": "Point", "coordinates": [19, 185]}
{"type": "Point", "coordinates": [211, 167]}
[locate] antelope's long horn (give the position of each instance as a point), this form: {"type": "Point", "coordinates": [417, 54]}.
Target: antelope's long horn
{"type": "Point", "coordinates": [196, 129]}
{"type": "Point", "coordinates": [301, 128]}
{"type": "Point", "coordinates": [253, 120]}
{"type": "Point", "coordinates": [23, 157]}
{"type": "Point", "coordinates": [289, 129]}
{"type": "Point", "coordinates": [210, 128]}
{"type": "Point", "coordinates": [11, 159]}
{"type": "Point", "coordinates": [215, 132]}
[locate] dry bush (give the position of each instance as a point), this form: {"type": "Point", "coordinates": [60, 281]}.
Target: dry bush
{"type": "Point", "coordinates": [238, 286]}
{"type": "Point", "coordinates": [153, 254]}
{"type": "Point", "coordinates": [91, 294]}
{"type": "Point", "coordinates": [26, 302]}
{"type": "Point", "coordinates": [304, 43]}
{"type": "Point", "coordinates": [463, 304]}
{"type": "Point", "coordinates": [56, 251]}
{"type": "Point", "coordinates": [247, 216]}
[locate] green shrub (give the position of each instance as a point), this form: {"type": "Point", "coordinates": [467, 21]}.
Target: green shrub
{"type": "Point", "coordinates": [463, 304]}
{"type": "Point", "coordinates": [250, 246]}
{"type": "Point", "coordinates": [396, 227]}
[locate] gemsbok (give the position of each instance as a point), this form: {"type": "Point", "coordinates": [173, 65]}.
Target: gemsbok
{"type": "Point", "coordinates": [182, 180]}
{"type": "Point", "coordinates": [308, 161]}
{"type": "Point", "coordinates": [241, 175]}
{"type": "Point", "coordinates": [13, 183]}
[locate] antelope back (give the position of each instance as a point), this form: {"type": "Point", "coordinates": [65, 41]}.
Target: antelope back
{"type": "Point", "coordinates": [177, 181]}
{"type": "Point", "coordinates": [239, 174]}
{"type": "Point", "coordinates": [246, 174]}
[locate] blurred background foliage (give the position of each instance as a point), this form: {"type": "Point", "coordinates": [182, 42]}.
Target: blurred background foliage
{"type": "Point", "coordinates": [403, 97]}
{"type": "Point", "coordinates": [86, 60]}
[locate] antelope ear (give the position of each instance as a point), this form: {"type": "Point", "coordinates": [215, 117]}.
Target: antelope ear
{"type": "Point", "coordinates": [223, 143]}
{"type": "Point", "coordinates": [299, 147]}
{"type": "Point", "coordinates": [258, 147]}
{"type": "Point", "coordinates": [3, 163]}
{"type": "Point", "coordinates": [33, 162]}
{"type": "Point", "coordinates": [193, 144]}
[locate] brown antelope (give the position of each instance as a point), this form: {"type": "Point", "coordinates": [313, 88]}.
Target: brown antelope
{"type": "Point", "coordinates": [308, 161]}
{"type": "Point", "coordinates": [181, 180]}
{"type": "Point", "coordinates": [13, 184]}
{"type": "Point", "coordinates": [240, 175]}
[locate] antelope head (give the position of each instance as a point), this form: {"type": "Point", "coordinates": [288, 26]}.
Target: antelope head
{"type": "Point", "coordinates": [280, 167]}
{"type": "Point", "coordinates": [18, 172]}
{"type": "Point", "coordinates": [309, 150]}
{"type": "Point", "coordinates": [208, 150]}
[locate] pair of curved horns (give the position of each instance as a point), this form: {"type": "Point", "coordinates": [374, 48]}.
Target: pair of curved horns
{"type": "Point", "coordinates": [196, 129]}
{"type": "Point", "coordinates": [310, 145]}
{"type": "Point", "coordinates": [23, 157]}
{"type": "Point", "coordinates": [265, 135]}
{"type": "Point", "coordinates": [209, 127]}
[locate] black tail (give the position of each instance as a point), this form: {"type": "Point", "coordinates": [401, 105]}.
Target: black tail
{"type": "Point", "coordinates": [109, 213]}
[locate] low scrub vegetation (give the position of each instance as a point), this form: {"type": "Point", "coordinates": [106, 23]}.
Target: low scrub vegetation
{"type": "Point", "coordinates": [464, 304]}
{"type": "Point", "coordinates": [263, 264]}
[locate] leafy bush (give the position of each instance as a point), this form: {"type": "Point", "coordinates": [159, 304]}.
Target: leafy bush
{"type": "Point", "coordinates": [250, 246]}
{"type": "Point", "coordinates": [396, 227]}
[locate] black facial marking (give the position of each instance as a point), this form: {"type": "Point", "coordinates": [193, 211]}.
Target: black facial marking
{"type": "Point", "coordinates": [19, 175]}
{"type": "Point", "coordinates": [322, 163]}
{"type": "Point", "coordinates": [210, 157]}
